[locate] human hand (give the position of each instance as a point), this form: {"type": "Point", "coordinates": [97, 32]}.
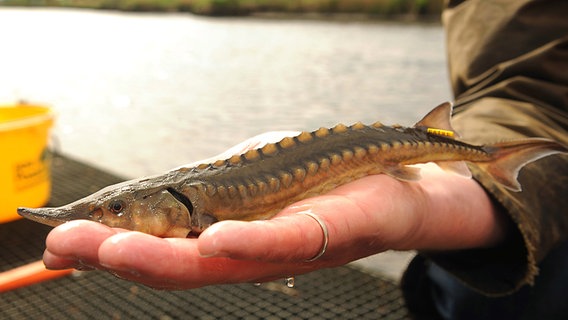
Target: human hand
{"type": "Point", "coordinates": [373, 214]}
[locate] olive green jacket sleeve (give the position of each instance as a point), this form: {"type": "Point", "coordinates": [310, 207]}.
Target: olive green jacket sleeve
{"type": "Point", "coordinates": [509, 72]}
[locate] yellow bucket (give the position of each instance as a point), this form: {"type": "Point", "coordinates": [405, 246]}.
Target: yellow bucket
{"type": "Point", "coordinates": [25, 173]}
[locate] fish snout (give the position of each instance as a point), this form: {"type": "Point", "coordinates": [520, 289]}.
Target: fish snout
{"type": "Point", "coordinates": [51, 216]}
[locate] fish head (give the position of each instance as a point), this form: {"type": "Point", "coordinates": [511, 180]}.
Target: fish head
{"type": "Point", "coordinates": [137, 206]}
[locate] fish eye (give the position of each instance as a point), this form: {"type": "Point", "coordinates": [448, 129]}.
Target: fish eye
{"type": "Point", "coordinates": [117, 206]}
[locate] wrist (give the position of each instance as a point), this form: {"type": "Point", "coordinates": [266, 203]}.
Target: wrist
{"type": "Point", "coordinates": [452, 213]}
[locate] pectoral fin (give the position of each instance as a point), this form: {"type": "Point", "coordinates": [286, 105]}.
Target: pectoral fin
{"type": "Point", "coordinates": [457, 167]}
{"type": "Point", "coordinates": [404, 173]}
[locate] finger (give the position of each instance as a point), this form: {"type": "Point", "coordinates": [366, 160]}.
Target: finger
{"type": "Point", "coordinates": [384, 210]}
{"type": "Point", "coordinates": [158, 262]}
{"type": "Point", "coordinates": [176, 263]}
{"type": "Point", "coordinates": [293, 236]}
{"type": "Point", "coordinates": [290, 237]}
{"type": "Point", "coordinates": [55, 262]}
{"type": "Point", "coordinates": [362, 218]}
{"type": "Point", "coordinates": [75, 244]}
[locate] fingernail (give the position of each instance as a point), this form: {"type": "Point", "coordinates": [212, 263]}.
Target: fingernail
{"type": "Point", "coordinates": [81, 267]}
{"type": "Point", "coordinates": [213, 254]}
{"type": "Point", "coordinates": [208, 254]}
{"type": "Point", "coordinates": [208, 246]}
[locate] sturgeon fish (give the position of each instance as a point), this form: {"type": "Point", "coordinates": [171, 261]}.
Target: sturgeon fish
{"type": "Point", "coordinates": [261, 182]}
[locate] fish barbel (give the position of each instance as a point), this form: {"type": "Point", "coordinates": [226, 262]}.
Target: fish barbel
{"type": "Point", "coordinates": [261, 182]}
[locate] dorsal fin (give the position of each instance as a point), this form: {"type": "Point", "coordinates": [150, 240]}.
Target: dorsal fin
{"type": "Point", "coordinates": [439, 118]}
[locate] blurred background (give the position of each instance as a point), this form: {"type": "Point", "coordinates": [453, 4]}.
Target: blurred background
{"type": "Point", "coordinates": [139, 93]}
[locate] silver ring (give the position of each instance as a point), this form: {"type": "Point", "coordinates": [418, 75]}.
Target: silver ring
{"type": "Point", "coordinates": [325, 235]}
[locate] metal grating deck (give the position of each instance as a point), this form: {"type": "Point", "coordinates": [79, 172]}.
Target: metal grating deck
{"type": "Point", "coordinates": [338, 293]}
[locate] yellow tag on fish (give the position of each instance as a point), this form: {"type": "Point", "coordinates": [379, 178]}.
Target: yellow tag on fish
{"type": "Point", "coordinates": [440, 132]}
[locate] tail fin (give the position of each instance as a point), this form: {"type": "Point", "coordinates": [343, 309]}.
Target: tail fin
{"type": "Point", "coordinates": [509, 157]}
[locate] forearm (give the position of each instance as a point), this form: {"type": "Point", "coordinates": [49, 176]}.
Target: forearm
{"type": "Point", "coordinates": [536, 216]}
{"type": "Point", "coordinates": [509, 80]}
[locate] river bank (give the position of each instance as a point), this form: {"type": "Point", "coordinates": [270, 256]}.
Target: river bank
{"type": "Point", "coordinates": [398, 9]}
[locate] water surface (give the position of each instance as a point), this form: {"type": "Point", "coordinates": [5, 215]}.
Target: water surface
{"type": "Point", "coordinates": [138, 94]}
